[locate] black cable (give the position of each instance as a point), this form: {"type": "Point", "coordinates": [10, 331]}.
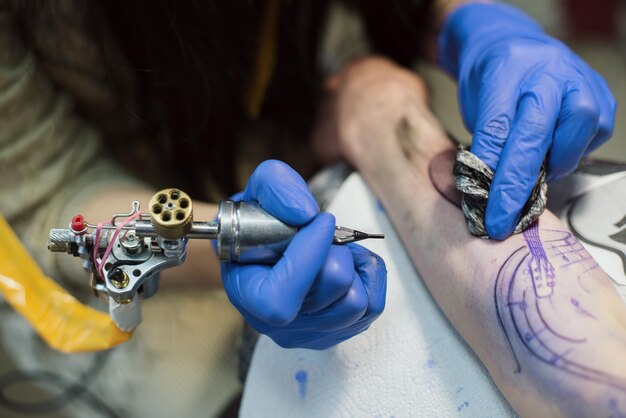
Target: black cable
{"type": "Point", "coordinates": [72, 390]}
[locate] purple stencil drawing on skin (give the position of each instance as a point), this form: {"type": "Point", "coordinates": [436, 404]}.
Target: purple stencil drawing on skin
{"type": "Point", "coordinates": [531, 315]}
{"type": "Point", "coordinates": [540, 290]}
{"type": "Point", "coordinates": [540, 269]}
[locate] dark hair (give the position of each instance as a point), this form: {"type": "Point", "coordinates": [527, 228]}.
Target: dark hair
{"type": "Point", "coordinates": [191, 61]}
{"type": "Point", "coordinates": [189, 65]}
{"type": "Point", "coordinates": [195, 59]}
{"type": "Point", "coordinates": [398, 28]}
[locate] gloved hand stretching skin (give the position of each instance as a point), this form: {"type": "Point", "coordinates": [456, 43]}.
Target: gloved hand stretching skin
{"type": "Point", "coordinates": [525, 97]}
{"type": "Point", "coordinates": [317, 294]}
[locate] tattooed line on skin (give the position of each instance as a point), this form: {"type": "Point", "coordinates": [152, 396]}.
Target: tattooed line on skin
{"type": "Point", "coordinates": [528, 313]}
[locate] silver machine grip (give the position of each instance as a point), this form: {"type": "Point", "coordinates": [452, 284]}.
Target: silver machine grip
{"type": "Point", "coordinates": [248, 234]}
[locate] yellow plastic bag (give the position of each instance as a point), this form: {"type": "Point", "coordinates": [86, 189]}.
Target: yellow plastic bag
{"type": "Point", "coordinates": [62, 321]}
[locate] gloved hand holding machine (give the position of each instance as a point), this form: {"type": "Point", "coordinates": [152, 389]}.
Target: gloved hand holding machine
{"type": "Point", "coordinates": [126, 257]}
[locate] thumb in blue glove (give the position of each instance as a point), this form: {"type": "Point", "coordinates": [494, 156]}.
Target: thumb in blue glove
{"type": "Point", "coordinates": [317, 294]}
{"type": "Point", "coordinates": [527, 98]}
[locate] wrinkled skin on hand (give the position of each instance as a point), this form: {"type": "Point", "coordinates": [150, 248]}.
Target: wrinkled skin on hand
{"type": "Point", "coordinates": [527, 98]}
{"type": "Point", "coordinates": [317, 294]}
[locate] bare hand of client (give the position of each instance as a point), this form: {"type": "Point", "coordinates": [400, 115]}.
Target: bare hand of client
{"type": "Point", "coordinates": [536, 308]}
{"type": "Point", "coordinates": [365, 102]}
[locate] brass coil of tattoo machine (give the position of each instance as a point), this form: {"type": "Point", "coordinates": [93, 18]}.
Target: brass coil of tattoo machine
{"type": "Point", "coordinates": [171, 213]}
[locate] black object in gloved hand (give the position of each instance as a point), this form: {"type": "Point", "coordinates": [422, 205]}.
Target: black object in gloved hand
{"type": "Point", "coordinates": [473, 180]}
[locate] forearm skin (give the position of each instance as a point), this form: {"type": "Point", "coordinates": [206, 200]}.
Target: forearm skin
{"type": "Point", "coordinates": [536, 308]}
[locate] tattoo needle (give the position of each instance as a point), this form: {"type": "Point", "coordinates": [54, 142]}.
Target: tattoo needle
{"type": "Point", "coordinates": [345, 235]}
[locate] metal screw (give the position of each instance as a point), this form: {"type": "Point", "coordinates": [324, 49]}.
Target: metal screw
{"type": "Point", "coordinates": [123, 301]}
{"type": "Point", "coordinates": [119, 278]}
{"type": "Point", "coordinates": [131, 243]}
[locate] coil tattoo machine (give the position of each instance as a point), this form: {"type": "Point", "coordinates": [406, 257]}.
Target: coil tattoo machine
{"type": "Point", "coordinates": [126, 255]}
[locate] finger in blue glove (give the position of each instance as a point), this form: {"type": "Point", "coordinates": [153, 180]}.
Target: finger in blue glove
{"type": "Point", "coordinates": [346, 316]}
{"type": "Point", "coordinates": [282, 192]}
{"type": "Point", "coordinates": [274, 294]}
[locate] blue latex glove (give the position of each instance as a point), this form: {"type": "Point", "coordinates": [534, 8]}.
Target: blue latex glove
{"type": "Point", "coordinates": [523, 95]}
{"type": "Point", "coordinates": [317, 294]}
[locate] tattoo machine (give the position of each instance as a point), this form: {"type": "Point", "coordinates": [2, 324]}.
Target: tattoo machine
{"type": "Point", "coordinates": [126, 255]}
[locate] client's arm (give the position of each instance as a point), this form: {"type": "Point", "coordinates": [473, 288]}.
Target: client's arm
{"type": "Point", "coordinates": [536, 308]}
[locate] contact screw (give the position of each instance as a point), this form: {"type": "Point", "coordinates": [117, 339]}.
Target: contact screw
{"type": "Point", "coordinates": [119, 278]}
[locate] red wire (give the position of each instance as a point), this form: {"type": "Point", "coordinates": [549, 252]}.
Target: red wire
{"type": "Point", "coordinates": [100, 265]}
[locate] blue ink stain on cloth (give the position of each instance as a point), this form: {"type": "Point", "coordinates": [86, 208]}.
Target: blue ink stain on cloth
{"type": "Point", "coordinates": [430, 363]}
{"type": "Point", "coordinates": [462, 406]}
{"type": "Point", "coordinates": [302, 377]}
